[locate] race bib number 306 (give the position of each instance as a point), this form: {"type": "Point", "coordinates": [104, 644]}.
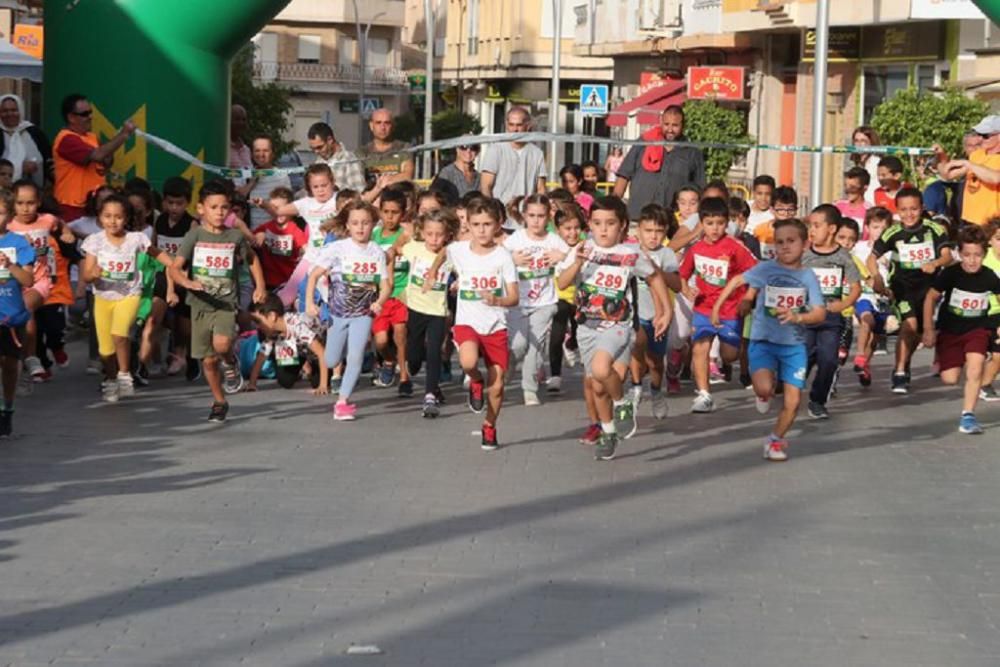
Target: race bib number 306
{"type": "Point", "coordinates": [471, 286]}
{"type": "Point", "coordinates": [776, 298]}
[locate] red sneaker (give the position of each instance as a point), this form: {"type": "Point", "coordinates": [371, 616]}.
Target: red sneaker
{"type": "Point", "coordinates": [489, 442]}
{"type": "Point", "coordinates": [591, 435]}
{"type": "Point", "coordinates": [62, 359]}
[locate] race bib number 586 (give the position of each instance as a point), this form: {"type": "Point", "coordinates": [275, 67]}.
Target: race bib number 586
{"type": "Point", "coordinates": [214, 260]}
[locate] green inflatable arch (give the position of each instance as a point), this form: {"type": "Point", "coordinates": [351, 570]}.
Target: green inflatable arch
{"type": "Point", "coordinates": [164, 63]}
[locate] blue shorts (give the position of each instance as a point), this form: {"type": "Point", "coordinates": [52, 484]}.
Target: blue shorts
{"type": "Point", "coordinates": [865, 306]}
{"type": "Point", "coordinates": [787, 361]}
{"type": "Point", "coordinates": [655, 348]}
{"type": "Point", "coordinates": [728, 333]}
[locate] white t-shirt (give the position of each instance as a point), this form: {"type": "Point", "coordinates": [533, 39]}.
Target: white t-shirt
{"type": "Point", "coordinates": [757, 218]}
{"type": "Point", "coordinates": [120, 276]}
{"type": "Point", "coordinates": [603, 294]}
{"type": "Point", "coordinates": [314, 213]}
{"type": "Point", "coordinates": [535, 282]}
{"type": "Point", "coordinates": [664, 259]}
{"type": "Point", "coordinates": [478, 273]}
{"type": "Point", "coordinates": [862, 249]}
{"type": "Point", "coordinates": [356, 273]}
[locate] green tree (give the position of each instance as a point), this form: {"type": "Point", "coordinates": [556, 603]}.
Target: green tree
{"type": "Point", "coordinates": [454, 123]}
{"type": "Point", "coordinates": [707, 121]}
{"type": "Point", "coordinates": [920, 119]}
{"type": "Point", "coordinates": [267, 104]}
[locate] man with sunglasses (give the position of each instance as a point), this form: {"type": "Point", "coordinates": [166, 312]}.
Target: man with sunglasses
{"type": "Point", "coordinates": [462, 172]}
{"type": "Point", "coordinates": [81, 161]}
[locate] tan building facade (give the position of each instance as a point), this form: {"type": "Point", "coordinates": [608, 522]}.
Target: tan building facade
{"type": "Point", "coordinates": [313, 47]}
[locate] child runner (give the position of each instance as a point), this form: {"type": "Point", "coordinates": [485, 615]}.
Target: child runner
{"type": "Point", "coordinates": [872, 308]}
{"type": "Point", "coordinates": [712, 261]}
{"type": "Point", "coordinates": [965, 328]}
{"type": "Point", "coordinates": [211, 253]}
{"type": "Point", "coordinates": [36, 228]}
{"type": "Point", "coordinates": [17, 257]}
{"type": "Point", "coordinates": [320, 205]}
{"type": "Point", "coordinates": [890, 178]}
{"type": "Point", "coordinates": [359, 288]}
{"type": "Point", "coordinates": [602, 268]}
{"type": "Point", "coordinates": [739, 213]}
{"type": "Point", "coordinates": [649, 351]}
{"type": "Point", "coordinates": [854, 205]}
{"type": "Point", "coordinates": [281, 242]}
{"type": "Point", "coordinates": [919, 249]}
{"type": "Point", "coordinates": [111, 263]}
{"type": "Point", "coordinates": [392, 318]}
{"type": "Point", "coordinates": [487, 287]}
{"type": "Point", "coordinates": [992, 261]}
{"type": "Point", "coordinates": [569, 222]}
{"type": "Point", "coordinates": [168, 232]}
{"type": "Point", "coordinates": [761, 202]}
{"type": "Point", "coordinates": [835, 270]}
{"type": "Point", "coordinates": [289, 338]}
{"type": "Point", "coordinates": [788, 299]}
{"type": "Point", "coordinates": [51, 317]}
{"type": "Point", "coordinates": [536, 252]}
{"type": "Point", "coordinates": [426, 324]}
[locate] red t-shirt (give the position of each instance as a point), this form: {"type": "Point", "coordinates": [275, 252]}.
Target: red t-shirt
{"type": "Point", "coordinates": [281, 250]}
{"type": "Point", "coordinates": [713, 265]}
{"type": "Point", "coordinates": [887, 199]}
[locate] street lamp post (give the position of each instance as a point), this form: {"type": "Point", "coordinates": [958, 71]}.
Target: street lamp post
{"type": "Point", "coordinates": [363, 54]}
{"type": "Point", "coordinates": [556, 63]}
{"type": "Point", "coordinates": [819, 98]}
{"type": "Point", "coordinates": [430, 23]}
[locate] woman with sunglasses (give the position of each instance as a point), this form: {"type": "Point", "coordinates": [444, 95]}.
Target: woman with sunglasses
{"type": "Point", "coordinates": [80, 159]}
{"type": "Point", "coordinates": [462, 172]}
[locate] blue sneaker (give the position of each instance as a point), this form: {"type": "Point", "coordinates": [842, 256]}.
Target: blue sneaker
{"type": "Point", "coordinates": [386, 376]}
{"type": "Point", "coordinates": [969, 425]}
{"type": "Point", "coordinates": [446, 375]}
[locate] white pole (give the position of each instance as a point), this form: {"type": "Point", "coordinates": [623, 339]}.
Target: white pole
{"type": "Point", "coordinates": [430, 23]}
{"type": "Point", "coordinates": [554, 102]}
{"type": "Point", "coordinates": [819, 98]}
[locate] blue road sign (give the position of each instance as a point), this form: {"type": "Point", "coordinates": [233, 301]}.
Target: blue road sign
{"type": "Point", "coordinates": [594, 99]}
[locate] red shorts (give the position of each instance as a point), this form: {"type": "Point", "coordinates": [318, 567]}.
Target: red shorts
{"type": "Point", "coordinates": [952, 348]}
{"type": "Point", "coordinates": [393, 312]}
{"type": "Point", "coordinates": [492, 347]}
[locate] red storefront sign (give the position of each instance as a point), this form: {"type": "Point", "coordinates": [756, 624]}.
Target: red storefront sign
{"type": "Point", "coordinates": [718, 83]}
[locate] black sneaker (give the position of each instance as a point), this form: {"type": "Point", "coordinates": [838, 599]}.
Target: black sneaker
{"type": "Point", "coordinates": [406, 388]}
{"type": "Point", "coordinates": [746, 380]}
{"type": "Point", "coordinates": [193, 371]}
{"type": "Point", "coordinates": [6, 424]}
{"type": "Point", "coordinates": [899, 383]}
{"type": "Point", "coordinates": [218, 413]}
{"type": "Point", "coordinates": [989, 394]}
{"type": "Point", "coordinates": [430, 409]}
{"type": "Point", "coordinates": [818, 411]}
{"type": "Point", "coordinates": [476, 401]}
{"type": "Point", "coordinates": [727, 372]}
{"type": "Point", "coordinates": [141, 375]}
{"type": "Point", "coordinates": [606, 447]}
{"type": "Point", "coordinates": [439, 396]}
{"type": "Point", "coordinates": [489, 442]}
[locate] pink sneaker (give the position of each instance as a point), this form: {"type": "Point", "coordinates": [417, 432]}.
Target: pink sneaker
{"type": "Point", "coordinates": [673, 386]}
{"type": "Point", "coordinates": [344, 412]}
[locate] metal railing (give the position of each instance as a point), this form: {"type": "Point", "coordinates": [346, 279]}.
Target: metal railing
{"type": "Point", "coordinates": [320, 72]}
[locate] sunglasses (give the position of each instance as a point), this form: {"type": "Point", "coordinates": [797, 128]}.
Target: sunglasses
{"type": "Point", "coordinates": [468, 148]}
{"type": "Point", "coordinates": [84, 114]}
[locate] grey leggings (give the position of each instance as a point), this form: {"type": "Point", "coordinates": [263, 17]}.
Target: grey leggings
{"type": "Point", "coordinates": [351, 333]}
{"type": "Point", "coordinates": [529, 340]}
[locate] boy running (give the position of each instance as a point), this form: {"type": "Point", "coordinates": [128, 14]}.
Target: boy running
{"type": "Point", "coordinates": [17, 273]}
{"type": "Point", "coordinates": [789, 300]}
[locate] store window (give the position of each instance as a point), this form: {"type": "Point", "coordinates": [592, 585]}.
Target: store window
{"type": "Point", "coordinates": [881, 83]}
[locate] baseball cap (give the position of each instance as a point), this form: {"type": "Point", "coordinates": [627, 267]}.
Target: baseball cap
{"type": "Point", "coordinates": [988, 125]}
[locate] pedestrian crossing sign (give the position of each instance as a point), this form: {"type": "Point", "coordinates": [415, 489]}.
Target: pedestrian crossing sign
{"type": "Point", "coordinates": [594, 99]}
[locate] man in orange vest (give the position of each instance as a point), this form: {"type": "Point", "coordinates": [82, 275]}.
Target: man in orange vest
{"type": "Point", "coordinates": [81, 161]}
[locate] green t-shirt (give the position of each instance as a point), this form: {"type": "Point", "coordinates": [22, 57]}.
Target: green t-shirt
{"type": "Point", "coordinates": [402, 268]}
{"type": "Point", "coordinates": [214, 260]}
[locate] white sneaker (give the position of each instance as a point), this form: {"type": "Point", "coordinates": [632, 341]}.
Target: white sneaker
{"type": "Point", "coordinates": [554, 385]}
{"type": "Point", "coordinates": [466, 381]}
{"type": "Point", "coordinates": [774, 450]}
{"type": "Point", "coordinates": [109, 391]}
{"type": "Point", "coordinates": [571, 357]}
{"type": "Point", "coordinates": [658, 401]}
{"type": "Point", "coordinates": [531, 399]}
{"type": "Point", "coordinates": [94, 367]}
{"type": "Point", "coordinates": [126, 387]}
{"type": "Point", "coordinates": [703, 402]}
{"type": "Point", "coordinates": [635, 395]}
{"type": "Point", "coordinates": [762, 405]}
{"type": "Point", "coordinates": [33, 365]}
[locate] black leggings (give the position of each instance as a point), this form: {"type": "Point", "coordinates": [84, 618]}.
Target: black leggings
{"type": "Point", "coordinates": [564, 320]}
{"type": "Point", "coordinates": [424, 340]}
{"type": "Point", "coordinates": [51, 323]}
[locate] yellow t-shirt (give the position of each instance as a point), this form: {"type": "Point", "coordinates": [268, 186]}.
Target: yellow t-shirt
{"type": "Point", "coordinates": [569, 294]}
{"type": "Point", "coordinates": [991, 261]}
{"type": "Point", "coordinates": [434, 301]}
{"type": "Point", "coordinates": [981, 200]}
{"type": "Point", "coordinates": [865, 275]}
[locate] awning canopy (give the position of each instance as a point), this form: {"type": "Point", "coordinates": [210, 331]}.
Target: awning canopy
{"type": "Point", "coordinates": [16, 64]}
{"type": "Point", "coordinates": [648, 106]}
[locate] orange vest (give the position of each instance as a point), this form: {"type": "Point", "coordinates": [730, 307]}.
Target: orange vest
{"type": "Point", "coordinates": [73, 182]}
{"type": "Point", "coordinates": [981, 200]}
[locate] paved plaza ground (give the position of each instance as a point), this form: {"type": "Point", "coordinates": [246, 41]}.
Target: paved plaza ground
{"type": "Point", "coordinates": [139, 534]}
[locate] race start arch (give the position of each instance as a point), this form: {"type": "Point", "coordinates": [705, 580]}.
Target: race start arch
{"type": "Point", "coordinates": [164, 63]}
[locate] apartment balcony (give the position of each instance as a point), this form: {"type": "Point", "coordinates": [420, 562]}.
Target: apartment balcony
{"type": "Point", "coordinates": [324, 78]}
{"type": "Point", "coordinates": [378, 12]}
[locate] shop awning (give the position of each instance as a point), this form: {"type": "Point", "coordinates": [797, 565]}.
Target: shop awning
{"type": "Point", "coordinates": [648, 105]}
{"type": "Point", "coordinates": [16, 64]}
